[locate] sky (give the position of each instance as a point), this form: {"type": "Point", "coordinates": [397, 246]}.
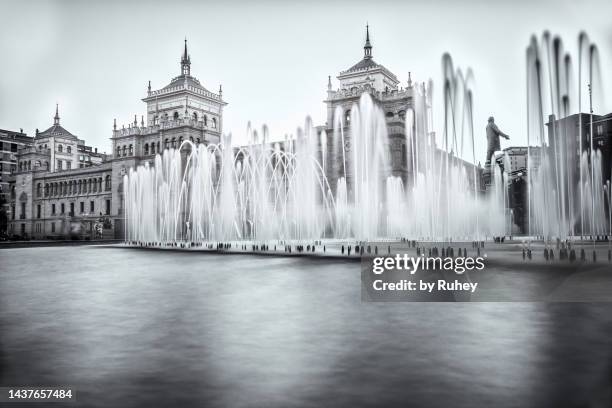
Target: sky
{"type": "Point", "coordinates": [272, 57]}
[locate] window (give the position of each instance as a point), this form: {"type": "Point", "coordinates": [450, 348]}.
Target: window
{"type": "Point", "coordinates": [23, 210]}
{"type": "Point", "coordinates": [146, 149]}
{"type": "Point", "coordinates": [347, 118]}
{"type": "Point", "coordinates": [68, 165]}
{"type": "Point", "coordinates": [205, 120]}
{"type": "Point", "coordinates": [173, 142]}
{"type": "Point", "coordinates": [599, 130]}
{"type": "Point", "coordinates": [91, 207]}
{"type": "Point", "coordinates": [175, 116]}
{"type": "Point", "coordinates": [195, 116]}
{"type": "Point", "coordinates": [60, 148]}
{"type": "Point", "coordinates": [52, 227]}
{"type": "Point", "coordinates": [107, 183]}
{"type": "Point", "coordinates": [131, 150]}
{"type": "Point", "coordinates": [63, 208]}
{"type": "Point", "coordinates": [108, 207]}
{"type": "Point", "coordinates": [38, 211]}
{"type": "Point", "coordinates": [214, 125]}
{"type": "Point", "coordinates": [152, 148]}
{"type": "Point", "coordinates": [124, 150]}
{"type": "Point", "coordinates": [166, 144]}
{"type": "Point", "coordinates": [69, 149]}
{"type": "Point", "coordinates": [59, 164]}
{"type": "Point", "coordinates": [118, 151]}
{"type": "Point", "coordinates": [389, 114]}
{"type": "Point", "coordinates": [72, 209]}
{"type": "Point", "coordinates": [82, 207]}
{"type": "Point", "coordinates": [155, 119]}
{"type": "Point", "coordinates": [53, 209]}
{"type": "Point", "coordinates": [38, 190]}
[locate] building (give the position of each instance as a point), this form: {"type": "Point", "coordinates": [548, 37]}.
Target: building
{"type": "Point", "coordinates": [10, 144]}
{"type": "Point", "coordinates": [182, 110]}
{"type": "Point", "coordinates": [60, 187]}
{"type": "Point", "coordinates": [564, 140]}
{"type": "Point", "coordinates": [395, 100]}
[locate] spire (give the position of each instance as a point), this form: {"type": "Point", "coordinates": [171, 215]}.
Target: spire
{"type": "Point", "coordinates": [329, 84]}
{"type": "Point", "coordinates": [185, 61]}
{"type": "Point", "coordinates": [409, 79]}
{"type": "Point", "coordinates": [56, 118]}
{"type": "Point", "coordinates": [367, 48]}
{"type": "Point", "coordinates": [220, 92]}
{"type": "Point", "coordinates": [149, 88]}
{"type": "Point", "coordinates": [115, 124]}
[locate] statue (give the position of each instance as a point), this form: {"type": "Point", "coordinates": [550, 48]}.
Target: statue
{"type": "Point", "coordinates": [493, 134]}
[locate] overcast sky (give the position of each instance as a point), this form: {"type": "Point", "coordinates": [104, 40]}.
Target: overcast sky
{"type": "Point", "coordinates": [273, 57]}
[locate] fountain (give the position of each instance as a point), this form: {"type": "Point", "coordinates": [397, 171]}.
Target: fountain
{"type": "Point", "coordinates": [309, 187]}
{"type": "Point", "coordinates": [566, 192]}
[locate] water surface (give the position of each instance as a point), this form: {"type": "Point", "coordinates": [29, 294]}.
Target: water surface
{"type": "Point", "coordinates": [141, 328]}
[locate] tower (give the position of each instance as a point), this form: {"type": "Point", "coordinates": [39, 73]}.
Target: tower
{"type": "Point", "coordinates": [367, 48]}
{"type": "Point", "coordinates": [185, 62]}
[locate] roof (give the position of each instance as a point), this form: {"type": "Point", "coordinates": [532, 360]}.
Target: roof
{"type": "Point", "coordinates": [363, 64]}
{"type": "Point", "coordinates": [55, 130]}
{"type": "Point", "coordinates": [187, 80]}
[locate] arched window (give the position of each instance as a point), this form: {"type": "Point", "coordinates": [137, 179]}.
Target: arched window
{"type": "Point", "coordinates": [118, 151]}
{"type": "Point", "coordinates": [69, 149]}
{"type": "Point", "coordinates": [80, 185]}
{"type": "Point", "coordinates": [166, 144]}
{"type": "Point", "coordinates": [205, 120]}
{"type": "Point", "coordinates": [402, 114]}
{"type": "Point", "coordinates": [191, 139]}
{"type": "Point", "coordinates": [214, 124]}
{"type": "Point", "coordinates": [29, 165]}
{"type": "Point", "coordinates": [198, 140]}
{"type": "Point", "coordinates": [158, 147]}
{"type": "Point", "coordinates": [155, 120]}
{"type": "Point", "coordinates": [47, 165]}
{"type": "Point", "coordinates": [131, 150]}
{"type": "Point", "coordinates": [180, 141]}
{"type": "Point", "coordinates": [37, 163]}
{"type": "Point", "coordinates": [38, 190]}
{"type": "Point", "coordinates": [100, 184]}
{"type": "Point", "coordinates": [124, 150]}
{"type": "Point", "coordinates": [47, 190]}
{"type": "Point", "coordinates": [146, 149]}
{"type": "Point", "coordinates": [60, 148]}
{"type": "Point", "coordinates": [152, 148]}
{"type": "Point", "coordinates": [173, 142]}
{"type": "Point", "coordinates": [107, 183]}
{"type": "Point", "coordinates": [175, 116]}
{"type": "Point", "coordinates": [195, 116]}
